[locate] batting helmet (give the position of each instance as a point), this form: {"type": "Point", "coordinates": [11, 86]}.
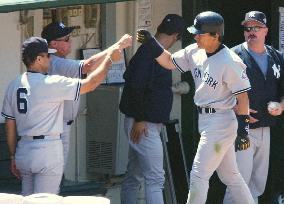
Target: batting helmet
{"type": "Point", "coordinates": [207, 22]}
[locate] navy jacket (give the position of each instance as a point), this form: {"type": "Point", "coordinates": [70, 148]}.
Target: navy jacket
{"type": "Point", "coordinates": [147, 94]}
{"type": "Point", "coordinates": [263, 89]}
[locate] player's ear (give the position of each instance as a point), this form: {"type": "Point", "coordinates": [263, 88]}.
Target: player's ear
{"type": "Point", "coordinates": [53, 43]}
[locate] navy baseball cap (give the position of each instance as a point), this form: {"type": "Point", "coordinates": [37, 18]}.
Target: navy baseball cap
{"type": "Point", "coordinates": [33, 46]}
{"type": "Point", "coordinates": [172, 23]}
{"type": "Point", "coordinates": [255, 16]}
{"type": "Point", "coordinates": [55, 30]}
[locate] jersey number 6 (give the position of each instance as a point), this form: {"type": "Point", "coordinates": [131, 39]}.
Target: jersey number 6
{"type": "Point", "coordinates": [22, 103]}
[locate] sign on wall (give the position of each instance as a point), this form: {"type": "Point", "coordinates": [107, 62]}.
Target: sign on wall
{"type": "Point", "coordinates": [144, 14]}
{"type": "Point", "coordinates": [115, 74]}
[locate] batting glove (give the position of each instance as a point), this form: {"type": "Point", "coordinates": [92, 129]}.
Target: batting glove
{"type": "Point", "coordinates": [145, 37]}
{"type": "Point", "coordinates": [242, 141]}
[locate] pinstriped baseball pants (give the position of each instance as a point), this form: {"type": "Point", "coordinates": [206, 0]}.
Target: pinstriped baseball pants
{"type": "Point", "coordinates": [216, 153]}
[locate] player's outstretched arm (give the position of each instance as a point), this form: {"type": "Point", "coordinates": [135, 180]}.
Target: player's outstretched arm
{"type": "Point", "coordinates": [10, 126]}
{"type": "Point", "coordinates": [98, 75]}
{"type": "Point", "coordinates": [242, 112]}
{"type": "Point", "coordinates": [94, 61]}
{"type": "Point", "coordinates": [162, 56]}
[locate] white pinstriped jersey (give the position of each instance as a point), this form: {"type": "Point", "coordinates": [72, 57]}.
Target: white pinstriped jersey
{"type": "Point", "coordinates": [36, 100]}
{"type": "Point", "coordinates": [217, 78]}
{"type": "Point", "coordinates": [68, 68]}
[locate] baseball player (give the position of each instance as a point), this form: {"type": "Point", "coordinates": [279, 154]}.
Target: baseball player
{"type": "Point", "coordinates": [33, 107]}
{"type": "Point", "coordinates": [58, 37]}
{"type": "Point", "coordinates": [147, 101]}
{"type": "Point", "coordinates": [265, 72]}
{"type": "Point", "coordinates": [220, 80]}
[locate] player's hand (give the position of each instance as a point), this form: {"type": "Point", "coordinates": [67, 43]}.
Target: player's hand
{"type": "Point", "coordinates": [14, 169]}
{"type": "Point", "coordinates": [143, 36]}
{"type": "Point", "coordinates": [242, 143]}
{"type": "Point", "coordinates": [125, 41]}
{"type": "Point", "coordinates": [252, 119]}
{"type": "Point", "coordinates": [274, 108]}
{"type": "Point", "coordinates": [138, 130]}
{"type": "Point", "coordinates": [114, 53]}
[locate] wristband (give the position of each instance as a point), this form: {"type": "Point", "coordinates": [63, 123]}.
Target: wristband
{"type": "Point", "coordinates": [243, 125]}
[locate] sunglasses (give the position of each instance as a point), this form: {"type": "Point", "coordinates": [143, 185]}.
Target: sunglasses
{"type": "Point", "coordinates": [66, 39]}
{"type": "Point", "coordinates": [253, 28]}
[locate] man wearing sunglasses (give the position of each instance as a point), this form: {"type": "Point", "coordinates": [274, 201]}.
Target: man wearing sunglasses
{"type": "Point", "coordinates": [146, 102]}
{"type": "Point", "coordinates": [58, 37]}
{"type": "Point", "coordinates": [265, 72]}
{"type": "Point", "coordinates": [220, 79]}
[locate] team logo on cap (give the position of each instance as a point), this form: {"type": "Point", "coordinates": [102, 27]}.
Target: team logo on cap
{"type": "Point", "coordinates": [61, 25]}
{"type": "Point", "coordinates": [252, 15]}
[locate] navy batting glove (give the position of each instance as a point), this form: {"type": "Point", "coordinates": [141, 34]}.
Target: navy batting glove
{"type": "Point", "coordinates": [242, 141]}
{"type": "Point", "coordinates": [143, 36]}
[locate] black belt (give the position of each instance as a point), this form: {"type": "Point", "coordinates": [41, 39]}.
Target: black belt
{"type": "Point", "coordinates": [38, 137]}
{"type": "Point", "coordinates": [206, 110]}
{"type": "Point", "coordinates": [70, 122]}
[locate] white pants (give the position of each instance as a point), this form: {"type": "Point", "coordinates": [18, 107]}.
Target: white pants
{"type": "Point", "coordinates": [216, 152]}
{"type": "Point", "coordinates": [253, 163]}
{"type": "Point", "coordinates": [65, 137]}
{"type": "Point", "coordinates": [40, 163]}
{"type": "Point", "coordinates": [145, 163]}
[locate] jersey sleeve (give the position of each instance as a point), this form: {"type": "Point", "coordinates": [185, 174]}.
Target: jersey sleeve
{"type": "Point", "coordinates": [63, 88]}
{"type": "Point", "coordinates": [181, 61]}
{"type": "Point", "coordinates": [66, 67]}
{"type": "Point", "coordinates": [236, 78]}
{"type": "Point", "coordinates": [139, 76]}
{"type": "Point", "coordinates": [7, 110]}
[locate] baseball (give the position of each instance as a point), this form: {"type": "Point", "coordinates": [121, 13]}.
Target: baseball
{"type": "Point", "coordinates": [272, 106]}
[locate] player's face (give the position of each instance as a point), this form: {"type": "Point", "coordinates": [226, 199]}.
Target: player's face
{"type": "Point", "coordinates": [255, 32]}
{"type": "Point", "coordinates": [173, 38]}
{"type": "Point", "coordinates": [205, 41]}
{"type": "Point", "coordinates": [63, 46]}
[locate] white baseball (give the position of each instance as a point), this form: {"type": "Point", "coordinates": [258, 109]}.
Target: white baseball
{"type": "Point", "coordinates": [272, 106]}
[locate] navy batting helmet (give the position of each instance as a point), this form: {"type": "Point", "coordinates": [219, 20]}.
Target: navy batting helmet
{"type": "Point", "coordinates": [207, 22]}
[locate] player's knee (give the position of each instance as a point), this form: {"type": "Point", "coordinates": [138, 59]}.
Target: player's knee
{"type": "Point", "coordinates": [198, 176]}
{"type": "Point", "coordinates": [231, 179]}
{"type": "Point", "coordinates": [155, 178]}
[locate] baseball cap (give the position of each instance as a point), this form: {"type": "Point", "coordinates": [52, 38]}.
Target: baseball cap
{"type": "Point", "coordinates": [33, 46]}
{"type": "Point", "coordinates": [172, 23]}
{"type": "Point", "coordinates": [55, 30]}
{"type": "Point", "coordinates": [255, 16]}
